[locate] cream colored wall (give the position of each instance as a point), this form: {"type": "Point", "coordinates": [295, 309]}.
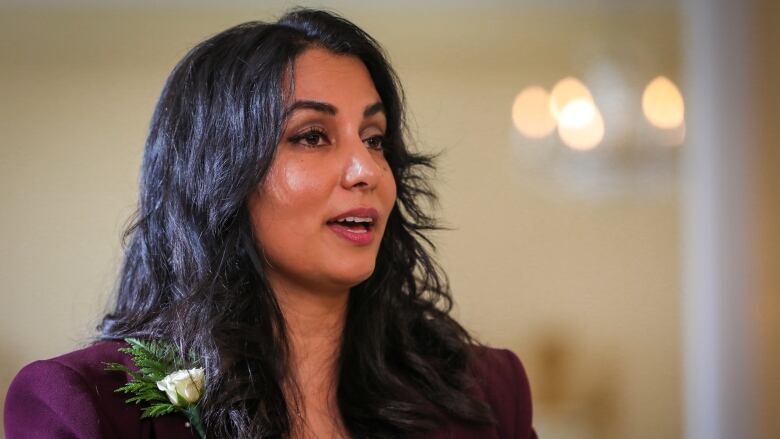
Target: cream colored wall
{"type": "Point", "coordinates": [530, 264]}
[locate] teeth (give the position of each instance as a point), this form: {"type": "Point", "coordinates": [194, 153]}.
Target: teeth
{"type": "Point", "coordinates": [355, 219]}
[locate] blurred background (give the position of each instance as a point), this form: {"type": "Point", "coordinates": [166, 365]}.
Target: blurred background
{"type": "Point", "coordinates": [610, 172]}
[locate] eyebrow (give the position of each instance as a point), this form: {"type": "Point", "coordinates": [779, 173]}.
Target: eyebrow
{"type": "Point", "coordinates": [373, 109]}
{"type": "Point", "coordinates": [324, 107]}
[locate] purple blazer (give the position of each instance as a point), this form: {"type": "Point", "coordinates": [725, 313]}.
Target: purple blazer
{"type": "Point", "coordinates": [73, 397]}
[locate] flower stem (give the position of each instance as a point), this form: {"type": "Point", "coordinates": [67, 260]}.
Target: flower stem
{"type": "Point", "coordinates": [193, 414]}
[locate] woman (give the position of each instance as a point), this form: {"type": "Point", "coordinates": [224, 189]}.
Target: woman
{"type": "Point", "coordinates": [280, 243]}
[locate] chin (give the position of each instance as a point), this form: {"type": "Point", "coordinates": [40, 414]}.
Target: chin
{"type": "Point", "coordinates": [353, 274]}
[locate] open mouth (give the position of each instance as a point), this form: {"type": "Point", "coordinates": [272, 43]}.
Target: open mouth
{"type": "Point", "coordinates": [354, 224]}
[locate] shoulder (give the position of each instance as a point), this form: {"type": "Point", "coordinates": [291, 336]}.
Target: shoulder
{"type": "Point", "coordinates": [67, 396]}
{"type": "Point", "coordinates": [503, 384]}
{"type": "Point", "coordinates": [84, 369]}
{"type": "Point", "coordinates": [73, 396]}
{"type": "Point", "coordinates": [85, 365]}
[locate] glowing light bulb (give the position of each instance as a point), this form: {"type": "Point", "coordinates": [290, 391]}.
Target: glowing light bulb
{"type": "Point", "coordinates": [566, 90]}
{"type": "Point", "coordinates": [580, 125]}
{"type": "Point", "coordinates": [531, 113]}
{"type": "Point", "coordinates": [663, 103]}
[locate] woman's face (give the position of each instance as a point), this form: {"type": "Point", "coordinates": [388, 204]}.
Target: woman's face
{"type": "Point", "coordinates": [320, 213]}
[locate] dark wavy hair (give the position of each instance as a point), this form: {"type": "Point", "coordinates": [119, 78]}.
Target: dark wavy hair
{"type": "Point", "coordinates": [191, 272]}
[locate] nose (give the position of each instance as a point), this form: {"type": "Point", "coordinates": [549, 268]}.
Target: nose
{"type": "Point", "coordinates": [361, 169]}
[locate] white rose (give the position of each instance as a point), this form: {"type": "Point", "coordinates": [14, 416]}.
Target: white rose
{"type": "Point", "coordinates": [185, 383]}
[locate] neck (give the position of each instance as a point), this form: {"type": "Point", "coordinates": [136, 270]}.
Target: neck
{"type": "Point", "coordinates": [314, 320]}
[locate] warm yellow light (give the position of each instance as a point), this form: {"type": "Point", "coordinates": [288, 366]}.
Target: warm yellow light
{"type": "Point", "coordinates": [566, 90]}
{"type": "Point", "coordinates": [581, 125]}
{"type": "Point", "coordinates": [663, 103]}
{"type": "Point", "coordinates": [531, 113]}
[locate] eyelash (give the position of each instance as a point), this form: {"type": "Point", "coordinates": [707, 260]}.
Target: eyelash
{"type": "Point", "coordinates": [320, 134]}
{"type": "Point", "coordinates": [378, 138]}
{"type": "Point", "coordinates": [307, 135]}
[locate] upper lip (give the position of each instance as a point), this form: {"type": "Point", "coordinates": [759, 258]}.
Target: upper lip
{"type": "Point", "coordinates": [360, 212]}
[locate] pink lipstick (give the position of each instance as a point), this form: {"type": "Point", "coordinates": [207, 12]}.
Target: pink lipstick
{"type": "Point", "coordinates": [356, 225]}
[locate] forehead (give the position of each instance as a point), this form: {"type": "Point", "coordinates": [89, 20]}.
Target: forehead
{"type": "Point", "coordinates": [323, 75]}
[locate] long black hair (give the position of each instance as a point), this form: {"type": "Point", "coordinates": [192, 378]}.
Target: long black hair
{"type": "Point", "coordinates": [191, 273]}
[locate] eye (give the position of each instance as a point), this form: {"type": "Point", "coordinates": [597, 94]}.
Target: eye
{"type": "Point", "coordinates": [375, 142]}
{"type": "Point", "coordinates": [311, 138]}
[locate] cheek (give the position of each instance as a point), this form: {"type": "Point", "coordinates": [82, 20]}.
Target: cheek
{"type": "Point", "coordinates": [391, 197]}
{"type": "Point", "coordinates": [287, 205]}
{"type": "Point", "coordinates": [290, 213]}
{"type": "Point", "coordinates": [289, 182]}
{"type": "Point", "coordinates": [291, 187]}
{"type": "Point", "coordinates": [387, 197]}
{"type": "Point", "coordinates": [389, 190]}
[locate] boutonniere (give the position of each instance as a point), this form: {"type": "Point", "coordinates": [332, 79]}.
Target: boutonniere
{"type": "Point", "coordinates": [165, 382]}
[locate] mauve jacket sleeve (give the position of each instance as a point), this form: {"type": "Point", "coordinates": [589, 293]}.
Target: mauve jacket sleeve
{"type": "Point", "coordinates": [501, 383]}
{"type": "Point", "coordinates": [73, 396]}
{"type": "Point", "coordinates": [509, 393]}
{"type": "Point", "coordinates": [523, 426]}
{"type": "Point", "coordinates": [49, 400]}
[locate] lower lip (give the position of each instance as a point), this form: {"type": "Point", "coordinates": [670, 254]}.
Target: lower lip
{"type": "Point", "coordinates": [364, 238]}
